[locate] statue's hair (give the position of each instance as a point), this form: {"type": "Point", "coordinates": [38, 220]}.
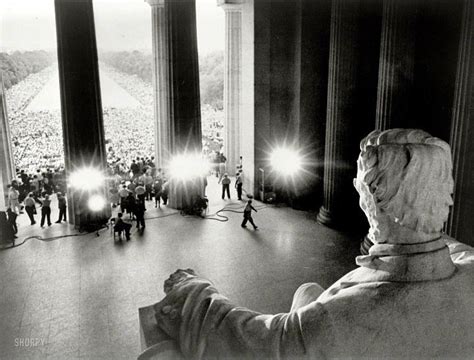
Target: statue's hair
{"type": "Point", "coordinates": [409, 174]}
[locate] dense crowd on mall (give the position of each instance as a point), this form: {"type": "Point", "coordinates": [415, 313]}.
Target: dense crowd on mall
{"type": "Point", "coordinates": [39, 154]}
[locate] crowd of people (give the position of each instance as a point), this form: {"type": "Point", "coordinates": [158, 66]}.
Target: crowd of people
{"type": "Point", "coordinates": [38, 149]}
{"type": "Point", "coordinates": [27, 191]}
{"type": "Point", "coordinates": [129, 188]}
{"type": "Point", "coordinates": [37, 134]}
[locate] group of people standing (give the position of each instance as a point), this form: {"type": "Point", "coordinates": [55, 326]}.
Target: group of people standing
{"type": "Point", "coordinates": [130, 192]}
{"type": "Point", "coordinates": [27, 190]}
{"type": "Point", "coordinates": [225, 181]}
{"type": "Point", "coordinates": [16, 208]}
{"type": "Point", "coordinates": [129, 189]}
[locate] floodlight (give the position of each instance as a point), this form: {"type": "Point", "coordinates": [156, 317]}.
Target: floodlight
{"type": "Point", "coordinates": [96, 202]}
{"type": "Point", "coordinates": [87, 179]}
{"type": "Point", "coordinates": [285, 161]}
{"type": "Point", "coordinates": [188, 166]}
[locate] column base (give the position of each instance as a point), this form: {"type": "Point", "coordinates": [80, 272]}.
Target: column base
{"type": "Point", "coordinates": [325, 218]}
{"type": "Point", "coordinates": [183, 194]}
{"type": "Point", "coordinates": [365, 245]}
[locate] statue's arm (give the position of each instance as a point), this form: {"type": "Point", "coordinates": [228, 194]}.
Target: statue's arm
{"type": "Point", "coordinates": [203, 322]}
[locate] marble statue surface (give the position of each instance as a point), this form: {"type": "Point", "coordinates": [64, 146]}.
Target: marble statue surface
{"type": "Point", "coordinates": [412, 296]}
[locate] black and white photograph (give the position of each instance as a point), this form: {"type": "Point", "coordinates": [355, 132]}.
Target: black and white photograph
{"type": "Point", "coordinates": [236, 179]}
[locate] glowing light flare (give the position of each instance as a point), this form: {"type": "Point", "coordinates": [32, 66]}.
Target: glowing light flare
{"type": "Point", "coordinates": [96, 202]}
{"type": "Point", "coordinates": [188, 166]}
{"type": "Point", "coordinates": [87, 179]}
{"type": "Point", "coordinates": [286, 161]}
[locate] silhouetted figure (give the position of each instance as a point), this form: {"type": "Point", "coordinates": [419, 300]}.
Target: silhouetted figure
{"type": "Point", "coordinates": [30, 207]}
{"type": "Point", "coordinates": [62, 207]}
{"type": "Point", "coordinates": [6, 229]}
{"type": "Point", "coordinates": [140, 214]}
{"type": "Point", "coordinates": [46, 210]}
{"type": "Point", "coordinates": [248, 215]}
{"type": "Point", "coordinates": [164, 192]}
{"type": "Point", "coordinates": [121, 225]}
{"type": "Point", "coordinates": [140, 191]}
{"type": "Point", "coordinates": [12, 220]}
{"type": "Point", "coordinates": [225, 186]}
{"type": "Point", "coordinates": [238, 185]}
{"type": "Point", "coordinates": [135, 169]}
{"type": "Point", "coordinates": [123, 193]}
{"type": "Point", "coordinates": [157, 191]}
{"type": "Point", "coordinates": [131, 205]}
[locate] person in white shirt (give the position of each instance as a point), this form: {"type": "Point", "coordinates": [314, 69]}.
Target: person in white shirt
{"type": "Point", "coordinates": [13, 202]}
{"type": "Point", "coordinates": [30, 207]}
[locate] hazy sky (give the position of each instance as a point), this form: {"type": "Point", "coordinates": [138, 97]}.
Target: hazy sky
{"type": "Point", "coordinates": [120, 25]}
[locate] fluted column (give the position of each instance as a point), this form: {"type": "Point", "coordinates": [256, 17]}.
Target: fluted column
{"type": "Point", "coordinates": [161, 97]}
{"type": "Point", "coordinates": [341, 118]}
{"type": "Point", "coordinates": [7, 169]}
{"type": "Point", "coordinates": [462, 132]}
{"type": "Point", "coordinates": [81, 106]}
{"type": "Point", "coordinates": [396, 64]}
{"type": "Point", "coordinates": [185, 104]}
{"type": "Point", "coordinates": [183, 65]}
{"type": "Point", "coordinates": [232, 81]}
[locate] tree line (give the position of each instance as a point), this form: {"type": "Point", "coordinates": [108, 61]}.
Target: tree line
{"type": "Point", "coordinates": [211, 71]}
{"type": "Point", "coordinates": [18, 65]}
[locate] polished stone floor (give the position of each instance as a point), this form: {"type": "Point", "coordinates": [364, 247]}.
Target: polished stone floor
{"type": "Point", "coordinates": [77, 297]}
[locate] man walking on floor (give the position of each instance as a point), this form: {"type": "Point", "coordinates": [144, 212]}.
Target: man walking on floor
{"type": "Point", "coordinates": [248, 215]}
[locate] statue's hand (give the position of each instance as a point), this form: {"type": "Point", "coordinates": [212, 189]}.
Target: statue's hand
{"type": "Point", "coordinates": [168, 310]}
{"type": "Point", "coordinates": [168, 315]}
{"type": "Point", "coordinates": [178, 277]}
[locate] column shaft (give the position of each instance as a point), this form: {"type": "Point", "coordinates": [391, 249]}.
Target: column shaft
{"type": "Point", "coordinates": [185, 106]}
{"type": "Point", "coordinates": [7, 168]}
{"type": "Point", "coordinates": [462, 132]}
{"type": "Point", "coordinates": [396, 65]}
{"type": "Point", "coordinates": [343, 66]}
{"type": "Point", "coordinates": [81, 106]}
{"type": "Point", "coordinates": [161, 96]}
{"type": "Point", "coordinates": [232, 84]}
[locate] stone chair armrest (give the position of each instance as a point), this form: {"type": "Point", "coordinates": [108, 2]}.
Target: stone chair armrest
{"type": "Point", "coordinates": [167, 349]}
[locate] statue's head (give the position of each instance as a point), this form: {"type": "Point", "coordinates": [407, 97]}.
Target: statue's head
{"type": "Point", "coordinates": [404, 180]}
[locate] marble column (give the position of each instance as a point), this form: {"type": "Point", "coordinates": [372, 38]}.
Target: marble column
{"type": "Point", "coordinates": [81, 107]}
{"type": "Point", "coordinates": [7, 168]}
{"type": "Point", "coordinates": [232, 82]}
{"type": "Point", "coordinates": [185, 106]}
{"type": "Point", "coordinates": [341, 119]}
{"type": "Point", "coordinates": [161, 98]}
{"type": "Point", "coordinates": [462, 132]}
{"type": "Point", "coordinates": [396, 64]}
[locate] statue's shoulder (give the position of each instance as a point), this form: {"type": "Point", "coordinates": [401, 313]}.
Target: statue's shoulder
{"type": "Point", "coordinates": [459, 250]}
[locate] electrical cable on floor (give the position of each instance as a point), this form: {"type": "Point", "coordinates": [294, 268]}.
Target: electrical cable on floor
{"type": "Point", "coordinates": [162, 216]}
{"type": "Point", "coordinates": [223, 218]}
{"type": "Point", "coordinates": [53, 238]}
{"type": "Point", "coordinates": [220, 218]}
